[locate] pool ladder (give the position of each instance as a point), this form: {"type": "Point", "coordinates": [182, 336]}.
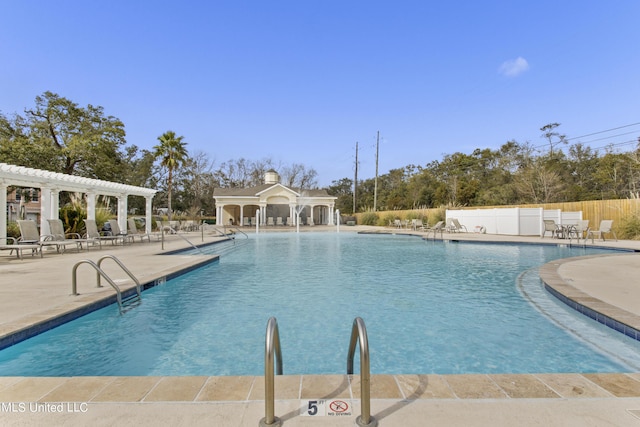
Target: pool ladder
{"type": "Point", "coordinates": [127, 302]}
{"type": "Point", "coordinates": [273, 353]}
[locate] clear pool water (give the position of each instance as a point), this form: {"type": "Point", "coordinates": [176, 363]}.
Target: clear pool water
{"type": "Point", "coordinates": [429, 307]}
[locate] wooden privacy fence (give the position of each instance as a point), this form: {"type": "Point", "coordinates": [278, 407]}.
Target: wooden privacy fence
{"type": "Point", "coordinates": [593, 210]}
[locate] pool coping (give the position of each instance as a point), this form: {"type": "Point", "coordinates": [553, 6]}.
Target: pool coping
{"type": "Point", "coordinates": [607, 314]}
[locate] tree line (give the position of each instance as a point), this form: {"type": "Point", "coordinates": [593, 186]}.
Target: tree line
{"type": "Point", "coordinates": [515, 173]}
{"type": "Point", "coordinates": [59, 135]}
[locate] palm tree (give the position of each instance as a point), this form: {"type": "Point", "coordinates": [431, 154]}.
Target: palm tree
{"type": "Point", "coordinates": [173, 153]}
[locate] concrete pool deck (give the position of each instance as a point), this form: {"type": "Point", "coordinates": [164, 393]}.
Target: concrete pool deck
{"type": "Point", "coordinates": [33, 290]}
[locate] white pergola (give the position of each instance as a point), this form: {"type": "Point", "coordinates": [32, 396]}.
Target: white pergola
{"type": "Point", "coordinates": [52, 183]}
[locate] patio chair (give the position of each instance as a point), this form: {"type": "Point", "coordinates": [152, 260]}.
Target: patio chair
{"type": "Point", "coordinates": [279, 221]}
{"type": "Point", "coordinates": [438, 227]}
{"type": "Point", "coordinates": [93, 233]}
{"type": "Point", "coordinates": [605, 227]}
{"type": "Point", "coordinates": [14, 246]}
{"type": "Point", "coordinates": [270, 221]}
{"type": "Point", "coordinates": [417, 224]}
{"type": "Point", "coordinates": [581, 229]}
{"type": "Point", "coordinates": [133, 231]}
{"type": "Point", "coordinates": [455, 226]}
{"type": "Point", "coordinates": [58, 234]}
{"type": "Point", "coordinates": [115, 230]}
{"type": "Point", "coordinates": [551, 227]}
{"type": "Point", "coordinates": [30, 235]}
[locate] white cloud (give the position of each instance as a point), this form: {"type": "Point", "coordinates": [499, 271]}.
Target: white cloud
{"type": "Point", "coordinates": [514, 67]}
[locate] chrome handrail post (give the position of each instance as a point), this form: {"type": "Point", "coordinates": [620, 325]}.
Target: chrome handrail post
{"type": "Point", "coordinates": [359, 333]}
{"type": "Point", "coordinates": [271, 350]}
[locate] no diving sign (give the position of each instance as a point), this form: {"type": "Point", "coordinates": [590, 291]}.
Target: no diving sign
{"type": "Point", "coordinates": [323, 407]}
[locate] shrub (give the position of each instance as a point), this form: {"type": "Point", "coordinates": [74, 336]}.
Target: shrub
{"type": "Point", "coordinates": [73, 217]}
{"type": "Point", "coordinates": [369, 218]}
{"type": "Point", "coordinates": [629, 228]}
{"type": "Point", "coordinates": [413, 215]}
{"type": "Point", "coordinates": [437, 215]}
{"type": "Point", "coordinates": [387, 219]}
{"type": "Point", "coordinates": [13, 230]}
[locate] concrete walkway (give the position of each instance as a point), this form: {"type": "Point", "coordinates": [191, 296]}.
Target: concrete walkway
{"type": "Point", "coordinates": [34, 290]}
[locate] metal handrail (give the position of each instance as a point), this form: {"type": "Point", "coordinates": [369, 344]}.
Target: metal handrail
{"type": "Point", "coordinates": [271, 350]}
{"type": "Point", "coordinates": [237, 229]}
{"type": "Point", "coordinates": [74, 287]}
{"type": "Point", "coordinates": [125, 269]}
{"type": "Point", "coordinates": [359, 333]}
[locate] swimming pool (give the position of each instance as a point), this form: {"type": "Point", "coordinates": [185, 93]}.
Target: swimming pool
{"type": "Point", "coordinates": [429, 307]}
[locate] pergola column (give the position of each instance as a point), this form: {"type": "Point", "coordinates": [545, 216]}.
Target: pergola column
{"type": "Point", "coordinates": [45, 209]}
{"type": "Point", "coordinates": [91, 205]}
{"type": "Point", "coordinates": [331, 215]}
{"type": "Point", "coordinates": [3, 205]}
{"type": "Point", "coordinates": [148, 212]}
{"type": "Point", "coordinates": [122, 212]}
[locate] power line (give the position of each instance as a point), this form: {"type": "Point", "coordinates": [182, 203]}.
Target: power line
{"type": "Point", "coordinates": [607, 137]}
{"type": "Point", "coordinates": [604, 131]}
{"type": "Point", "coordinates": [597, 133]}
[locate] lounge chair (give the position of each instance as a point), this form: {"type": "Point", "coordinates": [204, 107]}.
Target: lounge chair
{"type": "Point", "coordinates": [93, 233]}
{"type": "Point", "coordinates": [605, 227]}
{"type": "Point", "coordinates": [115, 230]}
{"type": "Point", "coordinates": [551, 227]}
{"type": "Point", "coordinates": [270, 221]}
{"type": "Point", "coordinates": [455, 226]}
{"type": "Point", "coordinates": [438, 227]}
{"type": "Point", "coordinates": [245, 221]}
{"type": "Point", "coordinates": [58, 234]}
{"type": "Point", "coordinates": [133, 231]}
{"type": "Point", "coordinates": [279, 221]}
{"type": "Point", "coordinates": [14, 246]}
{"type": "Point", "coordinates": [30, 235]}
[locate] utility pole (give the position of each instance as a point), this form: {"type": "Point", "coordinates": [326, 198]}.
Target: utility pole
{"type": "Point", "coordinates": [375, 186]}
{"type": "Point", "coordinates": [355, 181]}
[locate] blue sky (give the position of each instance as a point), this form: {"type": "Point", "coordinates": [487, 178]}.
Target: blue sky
{"type": "Point", "coordinates": [301, 81]}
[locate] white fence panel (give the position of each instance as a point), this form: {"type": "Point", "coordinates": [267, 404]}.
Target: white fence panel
{"type": "Point", "coordinates": [511, 221]}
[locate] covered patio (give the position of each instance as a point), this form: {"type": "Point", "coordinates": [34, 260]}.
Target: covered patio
{"type": "Point", "coordinates": [273, 204]}
{"type": "Point", "coordinates": [52, 183]}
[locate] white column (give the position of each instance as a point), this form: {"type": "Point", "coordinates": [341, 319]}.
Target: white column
{"type": "Point", "coordinates": [312, 209]}
{"type": "Point", "coordinates": [45, 209]}
{"type": "Point", "coordinates": [219, 218]}
{"type": "Point", "coordinates": [292, 215]}
{"type": "Point", "coordinates": [148, 211]}
{"type": "Point", "coordinates": [241, 216]}
{"type": "Point", "coordinates": [3, 206]}
{"type": "Point", "coordinates": [91, 205]}
{"type": "Point", "coordinates": [55, 204]}
{"type": "Point", "coordinates": [331, 215]}
{"type": "Point", "coordinates": [122, 212]}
